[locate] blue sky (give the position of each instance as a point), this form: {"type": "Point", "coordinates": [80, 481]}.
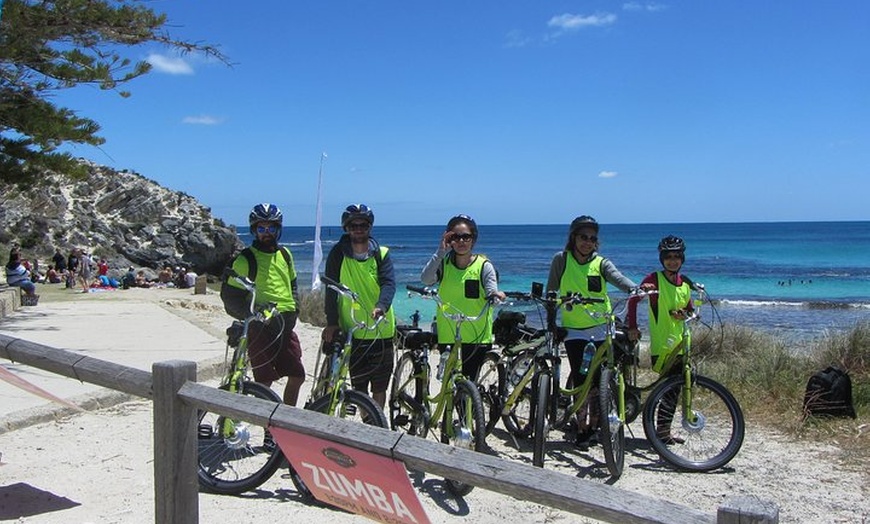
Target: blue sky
{"type": "Point", "coordinates": [513, 112]}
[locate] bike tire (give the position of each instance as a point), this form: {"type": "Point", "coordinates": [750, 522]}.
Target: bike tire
{"type": "Point", "coordinates": [466, 419]}
{"type": "Point", "coordinates": [490, 383]}
{"type": "Point", "coordinates": [242, 461]}
{"type": "Point", "coordinates": [611, 427]}
{"type": "Point", "coordinates": [355, 405]}
{"type": "Point", "coordinates": [542, 400]}
{"type": "Point", "coordinates": [406, 399]}
{"type": "Point", "coordinates": [708, 444]}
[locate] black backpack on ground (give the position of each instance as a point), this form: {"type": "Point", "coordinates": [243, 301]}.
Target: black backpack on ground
{"type": "Point", "coordinates": [829, 392]}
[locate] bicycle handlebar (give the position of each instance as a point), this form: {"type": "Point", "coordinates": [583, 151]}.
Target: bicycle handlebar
{"type": "Point", "coordinates": [459, 316]}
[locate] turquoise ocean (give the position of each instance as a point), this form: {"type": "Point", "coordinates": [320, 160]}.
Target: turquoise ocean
{"type": "Point", "coordinates": [793, 279]}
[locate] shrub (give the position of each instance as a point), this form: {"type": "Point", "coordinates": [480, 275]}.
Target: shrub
{"type": "Point", "coordinates": [311, 308]}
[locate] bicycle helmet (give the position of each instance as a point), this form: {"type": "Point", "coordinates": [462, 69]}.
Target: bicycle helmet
{"type": "Point", "coordinates": [265, 212]}
{"type": "Point", "coordinates": [463, 219]}
{"type": "Point", "coordinates": [576, 224]}
{"type": "Point", "coordinates": [672, 244]}
{"type": "Point", "coordinates": [357, 211]}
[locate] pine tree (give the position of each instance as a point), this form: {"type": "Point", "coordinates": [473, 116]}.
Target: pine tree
{"type": "Point", "coordinates": [49, 45]}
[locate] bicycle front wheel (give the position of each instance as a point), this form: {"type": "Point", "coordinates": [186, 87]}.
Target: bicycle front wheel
{"type": "Point", "coordinates": [406, 399]}
{"type": "Point", "coordinates": [354, 405]}
{"type": "Point", "coordinates": [490, 382]}
{"type": "Point", "coordinates": [463, 426]}
{"type": "Point", "coordinates": [236, 456]}
{"type": "Point", "coordinates": [542, 424]}
{"type": "Point", "coordinates": [610, 425]}
{"type": "Point", "coordinates": [704, 437]}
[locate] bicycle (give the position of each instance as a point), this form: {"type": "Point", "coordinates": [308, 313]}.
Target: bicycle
{"type": "Point", "coordinates": [536, 369]}
{"type": "Point", "coordinates": [457, 406]}
{"type": "Point", "coordinates": [235, 456]}
{"type": "Point", "coordinates": [331, 393]}
{"type": "Point", "coordinates": [709, 427]}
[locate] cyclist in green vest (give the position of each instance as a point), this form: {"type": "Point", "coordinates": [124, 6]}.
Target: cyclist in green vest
{"type": "Point", "coordinates": [669, 307]}
{"type": "Point", "coordinates": [274, 348]}
{"type": "Point", "coordinates": [580, 269]}
{"type": "Point", "coordinates": [466, 281]}
{"type": "Point", "coordinates": [667, 311]}
{"type": "Point", "coordinates": [360, 263]}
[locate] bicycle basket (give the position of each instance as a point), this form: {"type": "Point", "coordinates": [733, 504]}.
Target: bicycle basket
{"type": "Point", "coordinates": [505, 327]}
{"type": "Point", "coordinates": [234, 334]}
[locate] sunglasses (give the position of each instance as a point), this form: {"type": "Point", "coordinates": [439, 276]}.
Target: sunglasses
{"type": "Point", "coordinates": [463, 237]}
{"type": "Point", "coordinates": [271, 229]}
{"type": "Point", "coordinates": [358, 226]}
{"type": "Point", "coordinates": [587, 238]}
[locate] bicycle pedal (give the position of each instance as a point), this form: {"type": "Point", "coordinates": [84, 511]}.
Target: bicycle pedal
{"type": "Point", "coordinates": [401, 420]}
{"type": "Point", "coordinates": [350, 410]}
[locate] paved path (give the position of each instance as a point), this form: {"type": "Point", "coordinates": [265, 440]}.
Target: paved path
{"type": "Point", "coordinates": [131, 333]}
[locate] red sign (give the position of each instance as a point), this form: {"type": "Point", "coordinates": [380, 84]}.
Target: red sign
{"type": "Point", "coordinates": [354, 480]}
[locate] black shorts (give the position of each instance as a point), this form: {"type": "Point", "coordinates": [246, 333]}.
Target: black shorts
{"type": "Point", "coordinates": [371, 362]}
{"type": "Point", "coordinates": [274, 349]}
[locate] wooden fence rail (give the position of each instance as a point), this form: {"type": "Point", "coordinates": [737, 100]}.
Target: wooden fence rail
{"type": "Point", "coordinates": [177, 397]}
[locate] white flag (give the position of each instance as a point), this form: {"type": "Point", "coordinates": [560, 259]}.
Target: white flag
{"type": "Point", "coordinates": [318, 249]}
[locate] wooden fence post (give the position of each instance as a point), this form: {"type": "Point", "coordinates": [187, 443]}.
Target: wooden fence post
{"type": "Point", "coordinates": [176, 487]}
{"type": "Point", "coordinates": [741, 509]}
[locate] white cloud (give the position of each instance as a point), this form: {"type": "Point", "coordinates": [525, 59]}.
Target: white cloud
{"type": "Point", "coordinates": [640, 6]}
{"type": "Point", "coordinates": [205, 120]}
{"type": "Point", "coordinates": [607, 174]}
{"type": "Point", "coordinates": [170, 65]}
{"type": "Point", "coordinates": [516, 38]}
{"type": "Point", "coordinates": [571, 22]}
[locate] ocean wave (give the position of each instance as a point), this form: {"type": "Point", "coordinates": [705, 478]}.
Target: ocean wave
{"type": "Point", "coordinates": [808, 304]}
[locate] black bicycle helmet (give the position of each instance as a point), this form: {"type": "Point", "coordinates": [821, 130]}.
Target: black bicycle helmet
{"type": "Point", "coordinates": [583, 221]}
{"type": "Point", "coordinates": [672, 244]}
{"type": "Point", "coordinates": [357, 211]}
{"type": "Point", "coordinates": [265, 212]}
{"type": "Point", "coordinates": [472, 225]}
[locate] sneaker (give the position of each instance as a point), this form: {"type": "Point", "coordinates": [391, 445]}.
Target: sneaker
{"type": "Point", "coordinates": [586, 438]}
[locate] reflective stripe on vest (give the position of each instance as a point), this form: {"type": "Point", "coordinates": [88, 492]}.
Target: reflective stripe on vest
{"type": "Point", "coordinates": [361, 276]}
{"type": "Point", "coordinates": [578, 278]}
{"type": "Point", "coordinates": [452, 292]}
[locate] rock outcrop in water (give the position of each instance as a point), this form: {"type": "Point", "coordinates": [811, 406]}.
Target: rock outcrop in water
{"type": "Point", "coordinates": [119, 215]}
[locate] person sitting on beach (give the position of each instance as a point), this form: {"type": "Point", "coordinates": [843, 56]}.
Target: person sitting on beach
{"type": "Point", "coordinates": [189, 279]}
{"type": "Point", "coordinates": [466, 280]}
{"type": "Point", "coordinates": [365, 266]}
{"type": "Point", "coordinates": [102, 267]}
{"type": "Point", "coordinates": [165, 276]}
{"type": "Point", "coordinates": [274, 348]}
{"type": "Point", "coordinates": [580, 269]}
{"type": "Point", "coordinates": [52, 276]}
{"type": "Point", "coordinates": [17, 275]}
{"type": "Point", "coordinates": [141, 279]}
{"type": "Point", "coordinates": [129, 278]}
{"type": "Point", "coordinates": [668, 308]}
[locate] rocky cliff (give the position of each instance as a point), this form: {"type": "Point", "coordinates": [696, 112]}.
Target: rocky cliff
{"type": "Point", "coordinates": [119, 215]}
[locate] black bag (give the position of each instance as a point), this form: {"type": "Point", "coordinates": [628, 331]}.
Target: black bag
{"type": "Point", "coordinates": [829, 392]}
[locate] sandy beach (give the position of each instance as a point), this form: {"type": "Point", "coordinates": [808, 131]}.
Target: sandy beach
{"type": "Point", "coordinates": [97, 467]}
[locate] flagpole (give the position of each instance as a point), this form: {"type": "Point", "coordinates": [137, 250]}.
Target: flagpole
{"type": "Point", "coordinates": [318, 249]}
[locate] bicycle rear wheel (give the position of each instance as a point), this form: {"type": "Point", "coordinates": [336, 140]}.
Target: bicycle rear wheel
{"type": "Point", "coordinates": [542, 423]}
{"type": "Point", "coordinates": [490, 382]}
{"type": "Point", "coordinates": [406, 399]}
{"type": "Point", "coordinates": [236, 456]}
{"type": "Point", "coordinates": [354, 405]}
{"type": "Point", "coordinates": [707, 443]}
{"type": "Point", "coordinates": [463, 426]}
{"type": "Point", "coordinates": [518, 420]}
{"type": "Point", "coordinates": [610, 425]}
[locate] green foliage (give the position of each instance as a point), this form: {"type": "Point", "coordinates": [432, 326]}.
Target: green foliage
{"type": "Point", "coordinates": [311, 308]}
{"type": "Point", "coordinates": [49, 45]}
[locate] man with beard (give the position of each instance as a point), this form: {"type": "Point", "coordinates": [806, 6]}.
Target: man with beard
{"type": "Point", "coordinates": [273, 347]}
{"type": "Point", "coordinates": [360, 263]}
